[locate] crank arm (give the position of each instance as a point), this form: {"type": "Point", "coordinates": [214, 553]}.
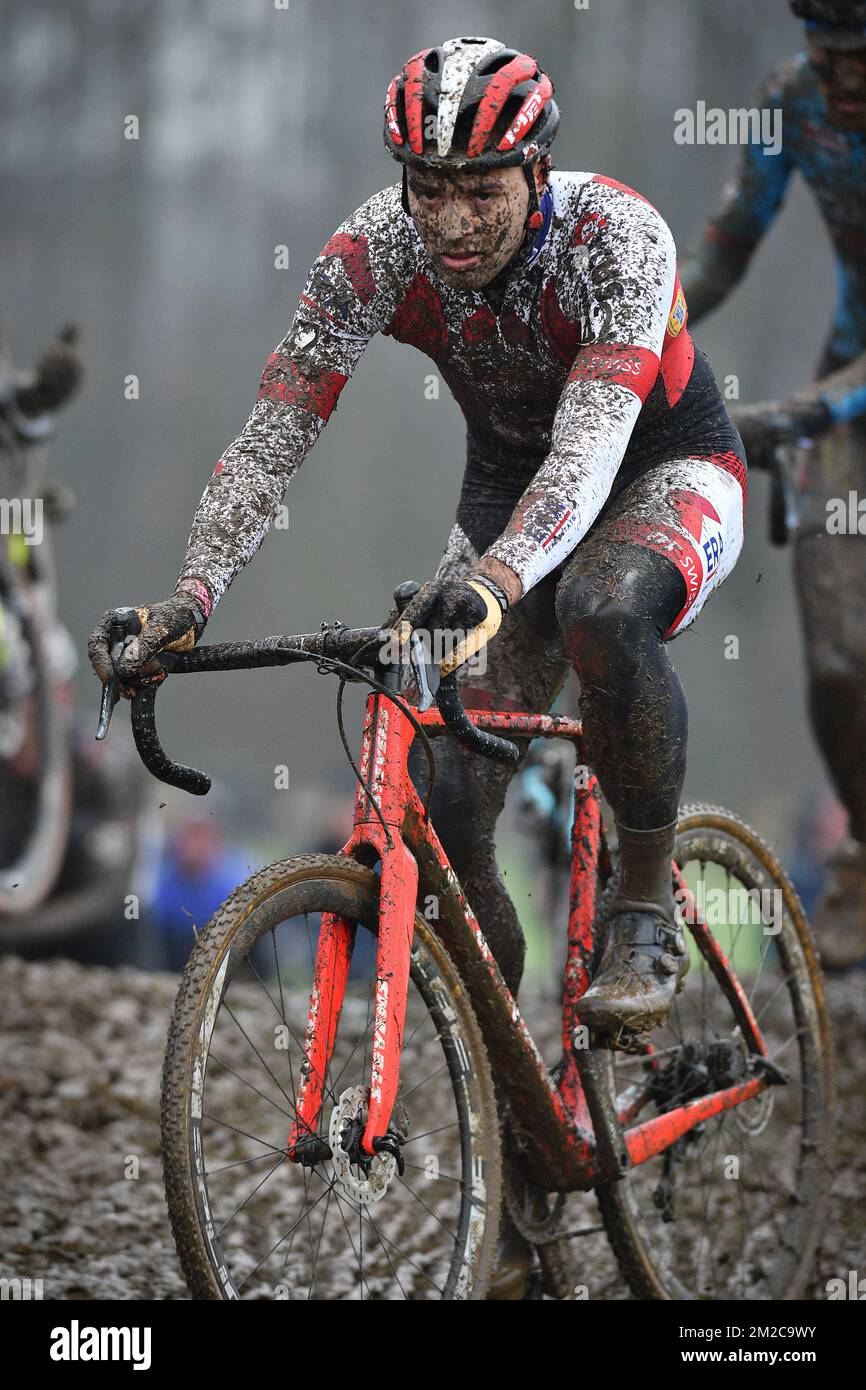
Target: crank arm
{"type": "Point", "coordinates": [611, 1152]}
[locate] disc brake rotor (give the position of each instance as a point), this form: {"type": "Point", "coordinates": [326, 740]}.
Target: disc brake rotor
{"type": "Point", "coordinates": [367, 1181]}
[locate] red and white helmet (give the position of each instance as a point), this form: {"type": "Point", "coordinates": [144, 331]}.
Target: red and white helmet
{"type": "Point", "coordinates": [471, 103]}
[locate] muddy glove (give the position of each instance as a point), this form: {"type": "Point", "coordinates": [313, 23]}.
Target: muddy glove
{"type": "Point", "coordinates": [461, 615]}
{"type": "Point", "coordinates": [56, 377]}
{"type": "Point", "coordinates": [763, 428]}
{"type": "Point", "coordinates": [175, 624]}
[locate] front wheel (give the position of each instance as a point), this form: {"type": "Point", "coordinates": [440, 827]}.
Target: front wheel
{"type": "Point", "coordinates": [248, 1222]}
{"type": "Point", "coordinates": [733, 1209]}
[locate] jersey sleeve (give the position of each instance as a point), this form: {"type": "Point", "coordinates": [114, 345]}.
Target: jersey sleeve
{"type": "Point", "coordinates": [625, 283]}
{"type": "Point", "coordinates": [350, 295]}
{"type": "Point", "coordinates": [750, 200]}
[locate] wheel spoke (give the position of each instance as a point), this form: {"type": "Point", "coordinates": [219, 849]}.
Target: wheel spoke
{"type": "Point", "coordinates": [289, 1114]}
{"type": "Point", "coordinates": [419, 1084]}
{"type": "Point", "coordinates": [278, 1243]}
{"type": "Point", "coordinates": [224, 1124]}
{"type": "Point", "coordinates": [252, 1194]}
{"type": "Point", "coordinates": [246, 1035]}
{"type": "Point", "coordinates": [359, 1258]}
{"type": "Point", "coordinates": [401, 1253]}
{"type": "Point", "coordinates": [440, 1129]}
{"type": "Point", "coordinates": [428, 1209]}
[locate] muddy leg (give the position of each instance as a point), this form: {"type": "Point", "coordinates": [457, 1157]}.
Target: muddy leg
{"type": "Point", "coordinates": [614, 604]}
{"type": "Point", "coordinates": [831, 580]}
{"type": "Point", "coordinates": [614, 609]}
{"type": "Point", "coordinates": [526, 666]}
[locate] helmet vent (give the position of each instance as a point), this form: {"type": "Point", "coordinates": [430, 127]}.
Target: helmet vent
{"type": "Point", "coordinates": [494, 63]}
{"type": "Point", "coordinates": [431, 62]}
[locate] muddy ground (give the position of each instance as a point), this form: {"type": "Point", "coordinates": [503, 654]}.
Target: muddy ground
{"type": "Point", "coordinates": [79, 1111]}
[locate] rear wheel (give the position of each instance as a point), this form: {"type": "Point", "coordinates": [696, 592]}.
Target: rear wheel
{"type": "Point", "coordinates": [248, 1222]}
{"type": "Point", "coordinates": [734, 1209]}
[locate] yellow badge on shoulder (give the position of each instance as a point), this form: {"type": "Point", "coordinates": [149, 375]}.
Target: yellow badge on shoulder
{"type": "Point", "coordinates": [677, 316]}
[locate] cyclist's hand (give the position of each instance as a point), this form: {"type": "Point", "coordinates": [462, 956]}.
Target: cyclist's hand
{"type": "Point", "coordinates": [461, 615]}
{"type": "Point", "coordinates": [57, 376]}
{"type": "Point", "coordinates": [763, 428]}
{"type": "Point", "coordinates": [175, 624]}
{"type": "Point", "coordinates": [762, 431]}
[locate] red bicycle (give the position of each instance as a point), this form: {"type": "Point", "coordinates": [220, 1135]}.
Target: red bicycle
{"type": "Point", "coordinates": [346, 1070]}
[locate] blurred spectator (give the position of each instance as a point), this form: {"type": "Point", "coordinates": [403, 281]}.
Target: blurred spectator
{"type": "Point", "coordinates": [198, 869]}
{"type": "Point", "coordinates": [820, 830]}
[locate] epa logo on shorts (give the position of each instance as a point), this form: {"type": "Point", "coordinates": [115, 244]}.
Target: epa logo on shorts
{"type": "Point", "coordinates": [712, 548]}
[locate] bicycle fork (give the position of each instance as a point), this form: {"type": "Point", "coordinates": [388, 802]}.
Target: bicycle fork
{"type": "Point", "coordinates": [397, 899]}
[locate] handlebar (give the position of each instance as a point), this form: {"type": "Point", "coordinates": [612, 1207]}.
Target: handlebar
{"type": "Point", "coordinates": [332, 643]}
{"type": "Point", "coordinates": [151, 751]}
{"type": "Point", "coordinates": [501, 750]}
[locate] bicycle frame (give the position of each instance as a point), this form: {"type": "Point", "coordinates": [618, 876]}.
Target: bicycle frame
{"type": "Point", "coordinates": [572, 1135]}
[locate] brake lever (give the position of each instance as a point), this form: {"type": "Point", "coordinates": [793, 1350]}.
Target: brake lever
{"type": "Point", "coordinates": [125, 625]}
{"type": "Point", "coordinates": [110, 697]}
{"type": "Point", "coordinates": [784, 506]}
{"type": "Point", "coordinates": [427, 684]}
{"type": "Point", "coordinates": [418, 663]}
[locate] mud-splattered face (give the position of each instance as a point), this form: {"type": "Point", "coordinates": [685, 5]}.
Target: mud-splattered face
{"type": "Point", "coordinates": [841, 75]}
{"type": "Point", "coordinates": [470, 223]}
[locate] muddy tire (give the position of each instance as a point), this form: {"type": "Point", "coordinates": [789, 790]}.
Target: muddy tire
{"type": "Point", "coordinates": [736, 1212]}
{"type": "Point", "coordinates": [439, 1245]}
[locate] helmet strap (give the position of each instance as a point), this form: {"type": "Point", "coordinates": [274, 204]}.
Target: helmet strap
{"type": "Point", "coordinates": [533, 214]}
{"type": "Point", "coordinates": [406, 207]}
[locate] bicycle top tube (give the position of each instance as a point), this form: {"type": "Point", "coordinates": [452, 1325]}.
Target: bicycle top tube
{"type": "Point", "coordinates": [513, 723]}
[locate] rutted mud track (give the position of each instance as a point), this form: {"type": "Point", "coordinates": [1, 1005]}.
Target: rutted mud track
{"type": "Point", "coordinates": [79, 1108]}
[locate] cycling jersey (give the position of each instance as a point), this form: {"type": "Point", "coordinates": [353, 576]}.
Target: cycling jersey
{"type": "Point", "coordinates": [833, 163]}
{"type": "Point", "coordinates": [588, 367]}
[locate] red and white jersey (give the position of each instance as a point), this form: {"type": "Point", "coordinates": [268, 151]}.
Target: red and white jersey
{"type": "Point", "coordinates": [589, 364]}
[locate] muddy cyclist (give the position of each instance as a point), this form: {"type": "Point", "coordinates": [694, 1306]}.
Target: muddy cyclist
{"type": "Point", "coordinates": [604, 490]}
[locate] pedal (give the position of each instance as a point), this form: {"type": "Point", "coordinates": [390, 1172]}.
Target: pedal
{"type": "Point", "coordinates": [630, 1042]}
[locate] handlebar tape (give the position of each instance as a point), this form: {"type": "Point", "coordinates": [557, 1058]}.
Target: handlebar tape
{"type": "Point", "coordinates": [502, 750]}
{"type": "Point", "coordinates": [187, 779]}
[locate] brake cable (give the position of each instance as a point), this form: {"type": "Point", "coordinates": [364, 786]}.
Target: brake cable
{"type": "Point", "coordinates": [333, 664]}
